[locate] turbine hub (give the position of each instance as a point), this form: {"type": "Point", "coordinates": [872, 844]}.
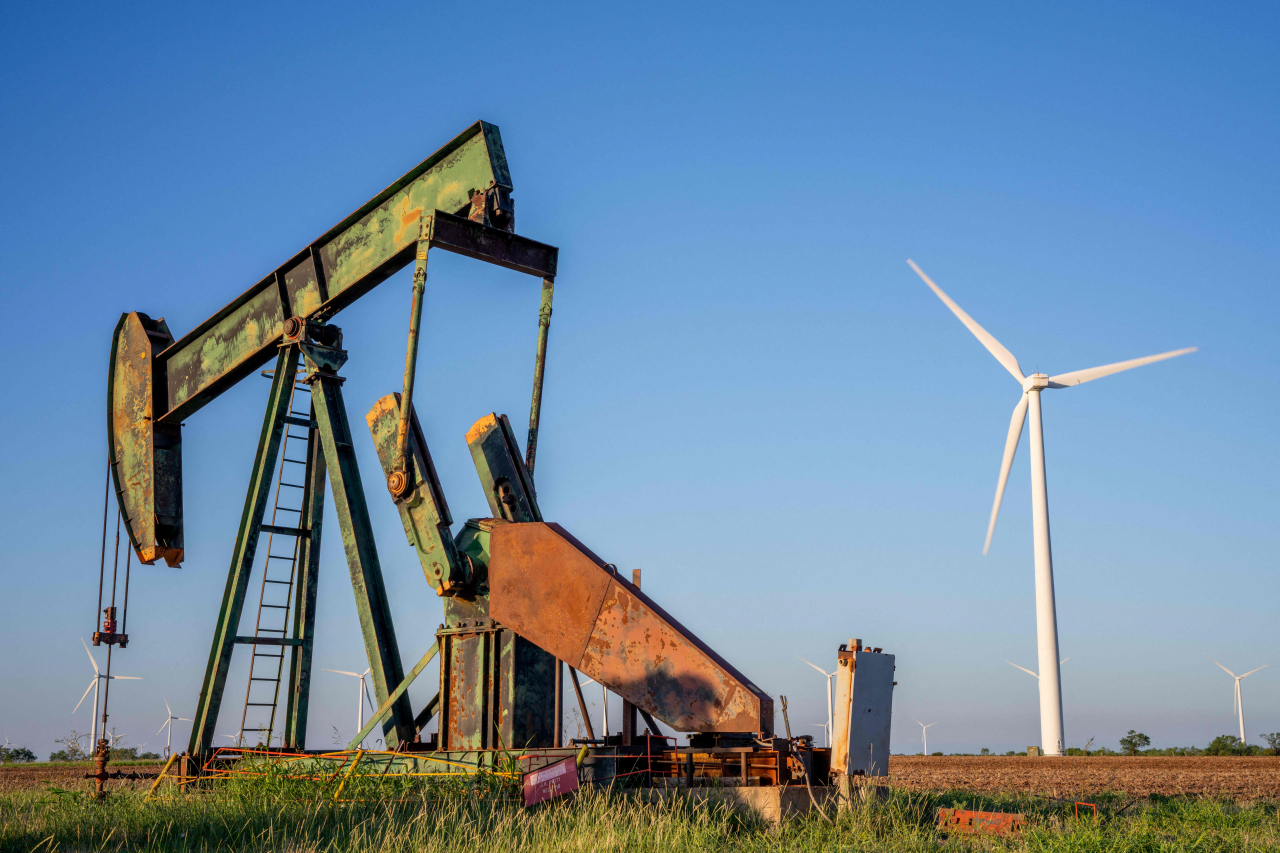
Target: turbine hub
{"type": "Point", "coordinates": [1035, 382]}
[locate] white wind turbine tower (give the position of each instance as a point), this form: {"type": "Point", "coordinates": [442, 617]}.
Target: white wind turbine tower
{"type": "Point", "coordinates": [924, 734]}
{"type": "Point", "coordinates": [98, 678]}
{"type": "Point", "coordinates": [362, 696]}
{"type": "Point", "coordinates": [1051, 731]}
{"type": "Point", "coordinates": [1239, 704]}
{"type": "Point", "coordinates": [168, 723]}
{"type": "Point", "coordinates": [831, 717]}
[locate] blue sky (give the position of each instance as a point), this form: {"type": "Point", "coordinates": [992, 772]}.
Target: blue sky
{"type": "Point", "coordinates": [749, 394]}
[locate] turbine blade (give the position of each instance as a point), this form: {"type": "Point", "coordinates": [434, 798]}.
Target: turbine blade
{"type": "Point", "coordinates": [167, 708]}
{"type": "Point", "coordinates": [90, 654]}
{"type": "Point", "coordinates": [993, 346]}
{"type": "Point", "coordinates": [1010, 448]}
{"type": "Point", "coordinates": [815, 666]}
{"type": "Point", "coordinates": [1064, 660]}
{"type": "Point", "coordinates": [162, 725]}
{"type": "Point", "coordinates": [1023, 668]}
{"type": "Point", "coordinates": [128, 677]}
{"type": "Point", "coordinates": [1077, 377]}
{"type": "Point", "coordinates": [342, 672]}
{"type": "Point", "coordinates": [1224, 669]}
{"type": "Point", "coordinates": [1252, 671]}
{"type": "Point", "coordinates": [86, 693]}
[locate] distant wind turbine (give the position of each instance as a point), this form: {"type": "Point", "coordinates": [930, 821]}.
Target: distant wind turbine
{"type": "Point", "coordinates": [1239, 703]}
{"type": "Point", "coordinates": [924, 734]}
{"type": "Point", "coordinates": [1051, 729]}
{"type": "Point", "coordinates": [831, 718]}
{"type": "Point", "coordinates": [98, 678]}
{"type": "Point", "coordinates": [168, 724]}
{"type": "Point", "coordinates": [362, 696]}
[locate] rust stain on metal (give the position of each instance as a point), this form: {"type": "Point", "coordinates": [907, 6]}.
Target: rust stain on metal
{"type": "Point", "coordinates": [550, 589]}
{"type": "Point", "coordinates": [967, 822]}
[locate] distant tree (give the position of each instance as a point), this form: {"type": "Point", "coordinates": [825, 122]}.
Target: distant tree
{"type": "Point", "coordinates": [1229, 745]}
{"type": "Point", "coordinates": [1134, 741]}
{"type": "Point", "coordinates": [1273, 742]}
{"type": "Point", "coordinates": [935, 753]}
{"type": "Point", "coordinates": [10, 754]}
{"type": "Point", "coordinates": [72, 747]}
{"type": "Point", "coordinates": [986, 751]}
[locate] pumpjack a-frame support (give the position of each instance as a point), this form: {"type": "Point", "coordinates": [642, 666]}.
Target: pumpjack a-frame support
{"type": "Point", "coordinates": [332, 452]}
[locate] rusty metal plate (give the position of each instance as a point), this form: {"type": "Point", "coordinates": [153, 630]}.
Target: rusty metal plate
{"type": "Point", "coordinates": [550, 589]}
{"type": "Point", "coordinates": [554, 780]}
{"type": "Point", "coordinates": [146, 457]}
{"type": "Point", "coordinates": [966, 822]}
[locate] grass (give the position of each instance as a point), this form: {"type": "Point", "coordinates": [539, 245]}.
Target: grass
{"type": "Point", "coordinates": [481, 815]}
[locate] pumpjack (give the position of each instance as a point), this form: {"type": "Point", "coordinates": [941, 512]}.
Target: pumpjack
{"type": "Point", "coordinates": [522, 597]}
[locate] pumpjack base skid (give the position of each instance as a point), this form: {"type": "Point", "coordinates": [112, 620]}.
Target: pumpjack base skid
{"type": "Point", "coordinates": [649, 762]}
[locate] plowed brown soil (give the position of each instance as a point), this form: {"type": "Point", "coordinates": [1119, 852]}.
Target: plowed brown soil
{"type": "Point", "coordinates": [1240, 778]}
{"type": "Point", "coordinates": [16, 777]}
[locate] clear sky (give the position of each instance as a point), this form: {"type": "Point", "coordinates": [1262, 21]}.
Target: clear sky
{"type": "Point", "coordinates": [749, 395]}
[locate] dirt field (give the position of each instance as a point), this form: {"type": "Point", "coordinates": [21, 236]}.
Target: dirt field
{"type": "Point", "coordinates": [14, 777]}
{"type": "Point", "coordinates": [1240, 778]}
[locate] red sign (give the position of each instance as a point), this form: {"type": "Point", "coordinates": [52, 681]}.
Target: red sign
{"type": "Point", "coordinates": [554, 780]}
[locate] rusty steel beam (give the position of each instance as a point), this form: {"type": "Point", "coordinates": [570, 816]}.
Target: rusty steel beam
{"type": "Point", "coordinates": [549, 588]}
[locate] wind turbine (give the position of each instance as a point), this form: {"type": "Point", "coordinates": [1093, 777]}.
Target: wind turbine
{"type": "Point", "coordinates": [604, 704]}
{"type": "Point", "coordinates": [830, 714]}
{"type": "Point", "coordinates": [1029, 672]}
{"type": "Point", "coordinates": [168, 723]}
{"type": "Point", "coordinates": [825, 732]}
{"type": "Point", "coordinates": [1239, 704]}
{"type": "Point", "coordinates": [1051, 731]}
{"type": "Point", "coordinates": [924, 734]}
{"type": "Point", "coordinates": [98, 678]}
{"type": "Point", "coordinates": [362, 696]}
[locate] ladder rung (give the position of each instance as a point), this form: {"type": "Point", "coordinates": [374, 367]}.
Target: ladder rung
{"type": "Point", "coordinates": [278, 557]}
{"type": "Point", "coordinates": [285, 531]}
{"type": "Point", "coordinates": [297, 421]}
{"type": "Point", "coordinates": [261, 655]}
{"type": "Point", "coordinates": [286, 583]}
{"type": "Point", "coordinates": [287, 509]}
{"type": "Point", "coordinates": [291, 485]}
{"type": "Point", "coordinates": [261, 704]}
{"type": "Point", "coordinates": [296, 461]}
{"type": "Point", "coordinates": [264, 679]}
{"type": "Point", "coordinates": [277, 606]}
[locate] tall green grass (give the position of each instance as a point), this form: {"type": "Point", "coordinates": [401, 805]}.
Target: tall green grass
{"type": "Point", "coordinates": [481, 815]}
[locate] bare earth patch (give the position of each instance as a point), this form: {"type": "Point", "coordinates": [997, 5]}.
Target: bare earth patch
{"type": "Point", "coordinates": [1250, 778]}
{"type": "Point", "coordinates": [70, 777]}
